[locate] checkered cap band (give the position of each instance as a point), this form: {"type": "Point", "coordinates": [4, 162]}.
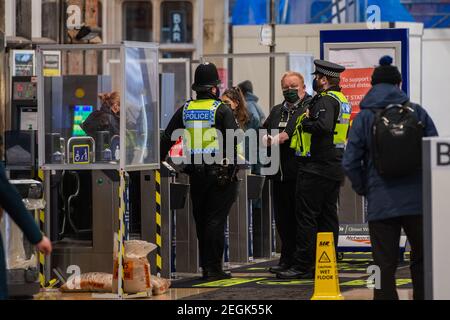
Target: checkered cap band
{"type": "Point", "coordinates": [328, 72]}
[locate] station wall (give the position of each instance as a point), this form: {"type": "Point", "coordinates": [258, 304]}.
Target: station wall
{"type": "Point", "coordinates": [428, 53]}
{"type": "Point", "coordinates": [435, 83]}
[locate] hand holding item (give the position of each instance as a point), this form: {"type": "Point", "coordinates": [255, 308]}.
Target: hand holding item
{"type": "Point", "coordinates": [307, 113]}
{"type": "Point", "coordinates": [45, 246]}
{"type": "Point", "coordinates": [283, 137]}
{"type": "Point", "coordinates": [267, 140]}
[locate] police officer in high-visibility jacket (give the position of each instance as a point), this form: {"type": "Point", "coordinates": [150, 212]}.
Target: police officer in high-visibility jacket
{"type": "Point", "coordinates": [318, 137]}
{"type": "Point", "coordinates": [214, 187]}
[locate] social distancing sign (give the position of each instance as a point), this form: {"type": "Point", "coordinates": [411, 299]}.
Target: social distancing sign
{"type": "Point", "coordinates": [326, 280]}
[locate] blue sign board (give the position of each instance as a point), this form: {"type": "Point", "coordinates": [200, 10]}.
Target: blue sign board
{"type": "Point", "coordinates": [80, 154]}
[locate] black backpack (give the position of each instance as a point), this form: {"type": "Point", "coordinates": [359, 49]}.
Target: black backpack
{"type": "Point", "coordinates": [397, 141]}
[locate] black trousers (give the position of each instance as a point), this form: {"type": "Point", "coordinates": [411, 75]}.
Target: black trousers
{"type": "Point", "coordinates": [385, 239]}
{"type": "Point", "coordinates": [211, 206]}
{"type": "Point", "coordinates": [285, 221]}
{"type": "Point", "coordinates": [316, 201]}
{"type": "Point", "coordinates": [3, 280]}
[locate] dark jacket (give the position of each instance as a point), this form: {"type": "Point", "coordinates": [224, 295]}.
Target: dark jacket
{"type": "Point", "coordinates": [11, 202]}
{"type": "Point", "coordinates": [288, 162]}
{"type": "Point", "coordinates": [325, 158]}
{"type": "Point", "coordinates": [254, 109]}
{"type": "Point", "coordinates": [102, 120]}
{"type": "Point", "coordinates": [387, 198]}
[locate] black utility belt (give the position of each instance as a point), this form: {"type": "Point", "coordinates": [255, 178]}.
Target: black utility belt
{"type": "Point", "coordinates": [212, 170]}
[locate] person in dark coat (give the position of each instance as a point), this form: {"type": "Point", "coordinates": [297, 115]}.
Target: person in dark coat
{"type": "Point", "coordinates": [11, 202]}
{"type": "Point", "coordinates": [252, 102]}
{"type": "Point", "coordinates": [393, 203]}
{"type": "Point", "coordinates": [105, 119]}
{"type": "Point", "coordinates": [295, 102]}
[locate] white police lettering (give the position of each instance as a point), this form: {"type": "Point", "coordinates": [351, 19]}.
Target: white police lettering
{"type": "Point", "coordinates": [195, 115]}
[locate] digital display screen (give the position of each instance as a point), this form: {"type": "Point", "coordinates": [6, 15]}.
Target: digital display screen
{"type": "Point", "coordinates": [24, 91]}
{"type": "Point", "coordinates": [80, 114]}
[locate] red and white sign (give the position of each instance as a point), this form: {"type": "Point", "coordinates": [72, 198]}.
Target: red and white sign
{"type": "Point", "coordinates": [355, 84]}
{"type": "Point", "coordinates": [359, 64]}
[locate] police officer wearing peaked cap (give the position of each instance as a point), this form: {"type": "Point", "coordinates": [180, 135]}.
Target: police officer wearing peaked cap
{"type": "Point", "coordinates": [318, 137]}
{"type": "Point", "coordinates": [214, 187]}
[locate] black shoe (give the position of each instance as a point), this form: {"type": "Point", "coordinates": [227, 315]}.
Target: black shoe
{"type": "Point", "coordinates": [216, 275]}
{"type": "Point", "coordinates": [279, 268]}
{"type": "Point", "coordinates": [295, 274]}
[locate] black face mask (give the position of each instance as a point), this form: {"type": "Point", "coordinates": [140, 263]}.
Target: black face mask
{"type": "Point", "coordinates": [217, 93]}
{"type": "Point", "coordinates": [315, 85]}
{"type": "Point", "coordinates": [291, 95]}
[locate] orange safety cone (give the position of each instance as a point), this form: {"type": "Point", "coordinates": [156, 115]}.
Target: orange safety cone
{"type": "Point", "coordinates": [326, 280]}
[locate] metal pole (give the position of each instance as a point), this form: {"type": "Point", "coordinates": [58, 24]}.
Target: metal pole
{"type": "Point", "coordinates": [272, 59]}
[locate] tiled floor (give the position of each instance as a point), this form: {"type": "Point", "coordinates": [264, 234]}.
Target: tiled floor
{"type": "Point", "coordinates": [175, 294]}
{"type": "Point", "coordinates": [180, 293]}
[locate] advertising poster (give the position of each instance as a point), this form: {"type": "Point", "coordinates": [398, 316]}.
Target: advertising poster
{"type": "Point", "coordinates": [52, 63]}
{"type": "Point", "coordinates": [23, 63]}
{"type": "Point", "coordinates": [359, 64]}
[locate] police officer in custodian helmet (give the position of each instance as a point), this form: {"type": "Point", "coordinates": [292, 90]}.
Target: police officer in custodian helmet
{"type": "Point", "coordinates": [214, 187]}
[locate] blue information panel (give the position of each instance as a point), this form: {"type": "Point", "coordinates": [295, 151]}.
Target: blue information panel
{"type": "Point", "coordinates": [80, 154]}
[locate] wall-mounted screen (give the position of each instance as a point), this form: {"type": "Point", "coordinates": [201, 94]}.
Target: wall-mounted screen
{"type": "Point", "coordinates": [24, 91]}
{"type": "Point", "coordinates": [80, 114]}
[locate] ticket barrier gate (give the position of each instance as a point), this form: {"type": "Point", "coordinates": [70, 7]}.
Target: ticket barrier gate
{"type": "Point", "coordinates": [265, 231]}
{"type": "Point", "coordinates": [241, 224]}
{"type": "Point", "coordinates": [177, 235]}
{"type": "Point", "coordinates": [22, 258]}
{"type": "Point", "coordinates": [260, 226]}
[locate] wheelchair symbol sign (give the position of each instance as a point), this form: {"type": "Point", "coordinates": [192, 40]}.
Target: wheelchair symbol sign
{"type": "Point", "coordinates": [80, 154]}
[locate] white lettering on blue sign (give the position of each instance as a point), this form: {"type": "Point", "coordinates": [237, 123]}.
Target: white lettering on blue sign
{"type": "Point", "coordinates": [176, 27]}
{"type": "Point", "coordinates": [197, 115]}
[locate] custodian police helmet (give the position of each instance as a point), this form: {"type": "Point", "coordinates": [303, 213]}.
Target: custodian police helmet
{"type": "Point", "coordinates": [206, 76]}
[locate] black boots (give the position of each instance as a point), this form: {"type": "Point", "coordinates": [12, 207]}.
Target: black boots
{"type": "Point", "coordinates": [215, 274]}
{"type": "Point", "coordinates": [293, 273]}
{"type": "Point", "coordinates": [279, 268]}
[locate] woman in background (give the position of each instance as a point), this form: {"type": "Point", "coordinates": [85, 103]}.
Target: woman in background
{"type": "Point", "coordinates": [105, 119]}
{"type": "Point", "coordinates": [234, 98]}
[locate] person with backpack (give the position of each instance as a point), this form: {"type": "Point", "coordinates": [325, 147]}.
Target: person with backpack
{"type": "Point", "coordinates": [383, 163]}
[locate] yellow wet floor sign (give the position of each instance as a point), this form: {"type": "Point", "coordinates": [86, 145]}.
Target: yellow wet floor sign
{"type": "Point", "coordinates": [326, 281]}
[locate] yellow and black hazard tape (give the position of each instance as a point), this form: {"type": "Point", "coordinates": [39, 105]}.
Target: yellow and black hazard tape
{"type": "Point", "coordinates": [158, 222]}
{"type": "Point", "coordinates": [121, 237]}
{"type": "Point", "coordinates": [42, 228]}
